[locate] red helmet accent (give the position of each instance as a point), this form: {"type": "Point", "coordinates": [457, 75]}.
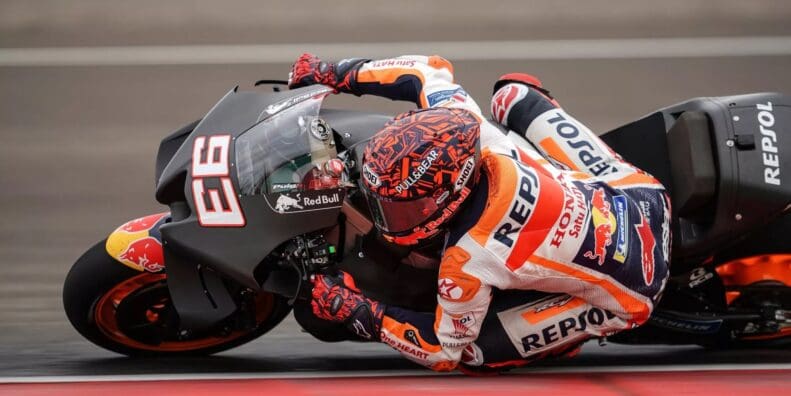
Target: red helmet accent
{"type": "Point", "coordinates": [419, 169]}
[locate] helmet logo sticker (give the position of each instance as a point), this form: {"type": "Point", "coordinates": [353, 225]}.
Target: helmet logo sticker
{"type": "Point", "coordinates": [371, 177]}
{"type": "Point", "coordinates": [443, 197]}
{"type": "Point", "coordinates": [417, 173]}
{"type": "Point", "coordinates": [464, 175]}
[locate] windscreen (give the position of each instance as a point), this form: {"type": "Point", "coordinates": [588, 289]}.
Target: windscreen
{"type": "Point", "coordinates": [290, 158]}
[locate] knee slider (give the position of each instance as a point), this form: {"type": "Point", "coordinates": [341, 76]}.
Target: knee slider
{"type": "Point", "coordinates": [526, 79]}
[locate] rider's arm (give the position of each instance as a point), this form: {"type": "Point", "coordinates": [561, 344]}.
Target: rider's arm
{"type": "Point", "coordinates": [426, 81]}
{"type": "Point", "coordinates": [464, 296]}
{"type": "Point", "coordinates": [438, 341]}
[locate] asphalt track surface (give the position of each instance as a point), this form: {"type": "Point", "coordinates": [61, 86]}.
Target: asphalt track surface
{"type": "Point", "coordinates": [78, 145]}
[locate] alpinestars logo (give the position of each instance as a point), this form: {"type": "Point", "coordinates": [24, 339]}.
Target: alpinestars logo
{"type": "Point", "coordinates": [647, 244]}
{"type": "Point", "coordinates": [411, 336]}
{"type": "Point", "coordinates": [504, 100]}
{"type": "Point", "coordinates": [359, 328]}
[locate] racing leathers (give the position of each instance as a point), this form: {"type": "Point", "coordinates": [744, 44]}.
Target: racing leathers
{"type": "Point", "coordinates": [563, 215]}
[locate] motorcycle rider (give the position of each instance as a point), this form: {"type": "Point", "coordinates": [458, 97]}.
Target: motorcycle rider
{"type": "Point", "coordinates": [568, 218]}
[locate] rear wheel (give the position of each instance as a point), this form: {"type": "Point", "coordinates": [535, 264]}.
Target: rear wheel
{"type": "Point", "coordinates": [761, 283]}
{"type": "Point", "coordinates": [130, 312]}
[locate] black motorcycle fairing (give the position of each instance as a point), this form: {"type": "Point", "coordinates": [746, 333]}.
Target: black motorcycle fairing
{"type": "Point", "coordinates": [235, 251]}
{"type": "Point", "coordinates": [171, 180]}
{"type": "Point", "coordinates": [652, 154]}
{"type": "Point", "coordinates": [199, 294]}
{"type": "Point", "coordinates": [713, 166]}
{"type": "Point", "coordinates": [168, 148]}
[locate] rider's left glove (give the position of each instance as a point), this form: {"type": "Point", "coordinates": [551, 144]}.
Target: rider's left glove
{"type": "Point", "coordinates": [337, 299]}
{"type": "Point", "coordinates": [310, 70]}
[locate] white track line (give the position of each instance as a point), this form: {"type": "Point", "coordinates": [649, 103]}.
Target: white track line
{"type": "Point", "coordinates": [685, 47]}
{"type": "Point", "coordinates": [374, 374]}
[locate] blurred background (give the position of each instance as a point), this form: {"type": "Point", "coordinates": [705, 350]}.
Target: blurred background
{"type": "Point", "coordinates": [79, 132]}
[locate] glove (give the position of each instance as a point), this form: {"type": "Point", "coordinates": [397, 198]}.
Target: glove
{"type": "Point", "coordinates": [335, 298]}
{"type": "Point", "coordinates": [309, 70]}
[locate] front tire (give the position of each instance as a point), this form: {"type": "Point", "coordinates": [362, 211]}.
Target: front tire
{"type": "Point", "coordinates": [129, 312]}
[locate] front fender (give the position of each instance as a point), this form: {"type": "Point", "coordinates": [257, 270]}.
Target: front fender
{"type": "Point", "coordinates": [138, 243]}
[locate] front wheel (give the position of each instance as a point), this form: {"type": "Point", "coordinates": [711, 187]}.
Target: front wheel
{"type": "Point", "coordinates": [130, 312]}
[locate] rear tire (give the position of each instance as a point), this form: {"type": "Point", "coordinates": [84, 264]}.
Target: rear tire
{"type": "Point", "coordinates": [90, 308]}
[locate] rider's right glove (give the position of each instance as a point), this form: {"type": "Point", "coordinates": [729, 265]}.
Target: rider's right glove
{"type": "Point", "coordinates": [337, 299]}
{"type": "Point", "coordinates": [309, 70]}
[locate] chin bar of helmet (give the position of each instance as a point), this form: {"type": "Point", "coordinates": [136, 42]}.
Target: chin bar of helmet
{"type": "Point", "coordinates": [431, 228]}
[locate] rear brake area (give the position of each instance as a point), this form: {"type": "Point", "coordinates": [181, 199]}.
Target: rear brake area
{"type": "Point", "coordinates": [745, 303]}
{"type": "Point", "coordinates": [760, 283]}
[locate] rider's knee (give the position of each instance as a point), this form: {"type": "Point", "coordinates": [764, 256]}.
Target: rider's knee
{"type": "Point", "coordinates": [516, 104]}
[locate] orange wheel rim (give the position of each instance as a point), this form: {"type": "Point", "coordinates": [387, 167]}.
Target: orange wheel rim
{"type": "Point", "coordinates": [746, 271]}
{"type": "Point", "coordinates": [107, 321]}
{"type": "Point", "coordinates": [780, 334]}
{"type": "Point", "coordinates": [751, 270]}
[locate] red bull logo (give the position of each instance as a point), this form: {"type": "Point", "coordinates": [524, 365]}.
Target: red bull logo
{"type": "Point", "coordinates": [145, 253]}
{"type": "Point", "coordinates": [604, 225]}
{"type": "Point", "coordinates": [647, 244]}
{"type": "Point", "coordinates": [143, 223]}
{"type": "Point", "coordinates": [136, 244]}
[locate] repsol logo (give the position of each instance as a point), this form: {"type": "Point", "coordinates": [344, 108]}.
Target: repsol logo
{"type": "Point", "coordinates": [586, 151]}
{"type": "Point", "coordinates": [522, 208]}
{"type": "Point", "coordinates": [562, 329]}
{"type": "Point", "coordinates": [766, 119]}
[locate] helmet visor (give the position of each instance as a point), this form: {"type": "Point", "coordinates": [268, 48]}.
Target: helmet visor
{"type": "Point", "coordinates": [399, 216]}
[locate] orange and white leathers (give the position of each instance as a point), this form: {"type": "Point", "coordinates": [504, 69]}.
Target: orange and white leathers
{"type": "Point", "coordinates": [571, 219]}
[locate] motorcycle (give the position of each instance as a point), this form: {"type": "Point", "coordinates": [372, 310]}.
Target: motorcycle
{"type": "Point", "coordinates": [262, 193]}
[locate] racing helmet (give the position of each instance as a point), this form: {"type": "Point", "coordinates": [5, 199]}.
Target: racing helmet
{"type": "Point", "coordinates": [418, 170]}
